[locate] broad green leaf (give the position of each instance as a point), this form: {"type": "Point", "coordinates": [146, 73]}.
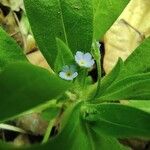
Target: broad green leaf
{"type": "Point", "coordinates": [9, 50]}
{"type": "Point", "coordinates": [135, 87]}
{"type": "Point", "coordinates": [127, 85]}
{"type": "Point", "coordinates": [103, 142]}
{"type": "Point", "coordinates": [138, 61]}
{"type": "Point", "coordinates": [143, 104]}
{"type": "Point", "coordinates": [106, 13]}
{"type": "Point", "coordinates": [64, 56]}
{"type": "Point", "coordinates": [118, 120]}
{"type": "Point", "coordinates": [24, 86]}
{"type": "Point", "coordinates": [70, 21]}
{"type": "Point", "coordinates": [76, 135]}
{"type": "Point", "coordinates": [110, 78]}
{"type": "Point", "coordinates": [95, 5]}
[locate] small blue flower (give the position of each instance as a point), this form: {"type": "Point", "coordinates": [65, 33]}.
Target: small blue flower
{"type": "Point", "coordinates": [68, 72]}
{"type": "Point", "coordinates": [84, 60]}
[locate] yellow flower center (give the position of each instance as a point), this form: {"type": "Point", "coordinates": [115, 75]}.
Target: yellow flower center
{"type": "Point", "coordinates": [82, 62]}
{"type": "Point", "coordinates": [69, 73]}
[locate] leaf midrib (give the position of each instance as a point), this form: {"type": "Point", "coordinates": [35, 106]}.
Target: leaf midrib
{"type": "Point", "coordinates": [63, 24]}
{"type": "Point", "coordinates": [121, 89]}
{"type": "Point", "coordinates": [122, 125]}
{"type": "Point", "coordinates": [89, 137]}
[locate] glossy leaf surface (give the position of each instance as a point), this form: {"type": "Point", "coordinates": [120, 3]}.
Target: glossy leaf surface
{"type": "Point", "coordinates": [24, 86]}
{"type": "Point", "coordinates": [119, 120]}
{"type": "Point", "coordinates": [71, 21]}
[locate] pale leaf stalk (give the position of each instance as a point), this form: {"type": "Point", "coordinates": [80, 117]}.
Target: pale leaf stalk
{"type": "Point", "coordinates": [48, 131]}
{"type": "Point", "coordinates": [97, 56]}
{"type": "Point", "coordinates": [11, 128]}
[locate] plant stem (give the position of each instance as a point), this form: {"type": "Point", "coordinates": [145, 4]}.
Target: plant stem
{"type": "Point", "coordinates": [84, 78]}
{"type": "Point", "coordinates": [99, 76]}
{"type": "Point", "coordinates": [97, 56]}
{"type": "Point", "coordinates": [44, 106]}
{"type": "Point", "coordinates": [48, 131]}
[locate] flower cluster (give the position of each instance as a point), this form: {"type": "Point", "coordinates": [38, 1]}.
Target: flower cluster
{"type": "Point", "coordinates": [83, 60]}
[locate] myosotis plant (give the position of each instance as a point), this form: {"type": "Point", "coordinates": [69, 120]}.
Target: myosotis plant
{"type": "Point", "coordinates": [66, 32]}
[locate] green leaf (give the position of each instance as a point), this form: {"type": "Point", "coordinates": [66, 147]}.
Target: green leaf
{"type": "Point", "coordinates": [128, 83]}
{"type": "Point", "coordinates": [138, 61]}
{"type": "Point", "coordinates": [50, 113]}
{"type": "Point", "coordinates": [135, 87]}
{"type": "Point", "coordinates": [119, 120]}
{"type": "Point", "coordinates": [105, 143]}
{"type": "Point", "coordinates": [143, 104]}
{"type": "Point", "coordinates": [106, 13]}
{"type": "Point", "coordinates": [95, 5]}
{"type": "Point", "coordinates": [76, 135]}
{"type": "Point", "coordinates": [71, 21]}
{"type": "Point", "coordinates": [9, 50]}
{"type": "Point", "coordinates": [64, 56]}
{"type": "Point", "coordinates": [24, 86]}
{"type": "Point", "coordinates": [110, 78]}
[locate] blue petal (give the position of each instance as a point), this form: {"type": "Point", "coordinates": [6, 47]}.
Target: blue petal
{"type": "Point", "coordinates": [78, 56]}
{"type": "Point", "coordinates": [75, 75]}
{"type": "Point", "coordinates": [87, 56]}
{"type": "Point", "coordinates": [90, 63]}
{"type": "Point", "coordinates": [66, 68]}
{"type": "Point", "coordinates": [62, 75]}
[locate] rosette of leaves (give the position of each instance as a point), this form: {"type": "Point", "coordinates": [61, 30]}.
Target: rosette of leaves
{"type": "Point", "coordinates": [92, 119]}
